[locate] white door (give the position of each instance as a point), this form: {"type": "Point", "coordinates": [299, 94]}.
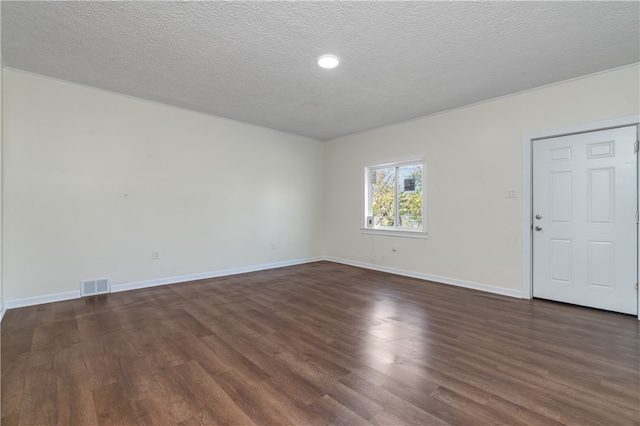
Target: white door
{"type": "Point", "coordinates": [585, 198]}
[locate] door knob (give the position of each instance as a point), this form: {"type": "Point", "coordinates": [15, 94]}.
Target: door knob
{"type": "Point", "coordinates": [538, 228]}
{"type": "Point", "coordinates": [538, 217]}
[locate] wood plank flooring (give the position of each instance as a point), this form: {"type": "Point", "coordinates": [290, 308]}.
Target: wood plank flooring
{"type": "Point", "coordinates": [321, 343]}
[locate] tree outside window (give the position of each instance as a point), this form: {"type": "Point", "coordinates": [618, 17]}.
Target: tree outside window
{"type": "Point", "coordinates": [396, 196]}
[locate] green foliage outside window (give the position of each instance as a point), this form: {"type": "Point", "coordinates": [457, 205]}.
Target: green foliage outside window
{"type": "Point", "coordinates": [386, 194]}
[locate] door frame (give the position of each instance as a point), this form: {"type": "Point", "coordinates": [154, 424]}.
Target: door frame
{"type": "Point", "coordinates": [527, 188]}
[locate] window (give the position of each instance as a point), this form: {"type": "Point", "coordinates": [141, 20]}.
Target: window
{"type": "Point", "coordinates": [395, 198]}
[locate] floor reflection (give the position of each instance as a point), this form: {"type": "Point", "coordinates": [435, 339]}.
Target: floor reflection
{"type": "Point", "coordinates": [395, 340]}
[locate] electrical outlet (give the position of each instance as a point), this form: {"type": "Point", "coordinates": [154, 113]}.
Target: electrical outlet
{"type": "Point", "coordinates": [511, 193]}
{"type": "Point", "coordinates": [156, 254]}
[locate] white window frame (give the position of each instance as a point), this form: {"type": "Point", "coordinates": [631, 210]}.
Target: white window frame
{"type": "Point", "coordinates": [396, 231]}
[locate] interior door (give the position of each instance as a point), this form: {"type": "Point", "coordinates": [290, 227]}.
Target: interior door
{"type": "Point", "coordinates": [585, 198]}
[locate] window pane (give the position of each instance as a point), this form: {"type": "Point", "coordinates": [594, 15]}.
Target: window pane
{"type": "Point", "coordinates": [382, 196]}
{"type": "Point", "coordinates": [410, 196]}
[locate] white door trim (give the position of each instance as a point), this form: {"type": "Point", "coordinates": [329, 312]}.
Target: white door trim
{"type": "Point", "coordinates": [527, 170]}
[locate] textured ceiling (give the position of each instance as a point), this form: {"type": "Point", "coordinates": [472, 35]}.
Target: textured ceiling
{"type": "Point", "coordinates": [256, 61]}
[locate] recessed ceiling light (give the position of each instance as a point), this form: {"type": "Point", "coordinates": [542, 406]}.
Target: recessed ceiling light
{"type": "Point", "coordinates": [328, 61]}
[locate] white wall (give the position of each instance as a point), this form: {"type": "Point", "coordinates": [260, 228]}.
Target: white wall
{"type": "Point", "coordinates": [2, 310]}
{"type": "Point", "coordinates": [1, 184]}
{"type": "Point", "coordinates": [473, 156]}
{"type": "Point", "coordinates": [94, 181]}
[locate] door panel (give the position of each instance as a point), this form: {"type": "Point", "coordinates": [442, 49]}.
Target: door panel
{"type": "Point", "coordinates": [561, 196]}
{"type": "Point", "coordinates": [585, 234]}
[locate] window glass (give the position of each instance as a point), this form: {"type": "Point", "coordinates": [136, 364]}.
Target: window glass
{"type": "Point", "coordinates": [383, 196]}
{"type": "Point", "coordinates": [395, 196]}
{"type": "Point", "coordinates": [410, 196]}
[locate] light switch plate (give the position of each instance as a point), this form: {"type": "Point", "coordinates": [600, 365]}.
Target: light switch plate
{"type": "Point", "coordinates": [369, 221]}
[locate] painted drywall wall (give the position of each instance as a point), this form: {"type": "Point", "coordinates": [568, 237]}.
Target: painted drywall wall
{"type": "Point", "coordinates": [1, 191]}
{"type": "Point", "coordinates": [96, 181]}
{"type": "Point", "coordinates": [473, 156]}
{"type": "Point", "coordinates": [1, 179]}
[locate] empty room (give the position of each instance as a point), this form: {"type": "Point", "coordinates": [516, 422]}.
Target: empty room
{"type": "Point", "coordinates": [314, 213]}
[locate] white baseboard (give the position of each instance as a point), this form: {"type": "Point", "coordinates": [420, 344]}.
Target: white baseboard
{"type": "Point", "coordinates": [39, 300]}
{"type": "Point", "coordinates": [435, 278]}
{"type": "Point", "coordinates": [57, 297]}
{"type": "Point", "coordinates": [201, 276]}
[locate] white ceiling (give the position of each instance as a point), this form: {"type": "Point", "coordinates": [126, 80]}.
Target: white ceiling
{"type": "Point", "coordinates": [256, 61]}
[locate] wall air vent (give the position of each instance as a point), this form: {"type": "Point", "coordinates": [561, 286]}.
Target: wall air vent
{"type": "Point", "coordinates": [96, 286]}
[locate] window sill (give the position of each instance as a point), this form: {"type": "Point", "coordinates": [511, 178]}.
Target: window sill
{"type": "Point", "coordinates": [395, 233]}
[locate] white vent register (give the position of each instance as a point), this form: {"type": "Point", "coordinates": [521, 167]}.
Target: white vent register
{"type": "Point", "coordinates": [96, 286]}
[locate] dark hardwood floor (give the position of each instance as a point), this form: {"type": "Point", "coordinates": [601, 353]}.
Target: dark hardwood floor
{"type": "Point", "coordinates": [321, 343]}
